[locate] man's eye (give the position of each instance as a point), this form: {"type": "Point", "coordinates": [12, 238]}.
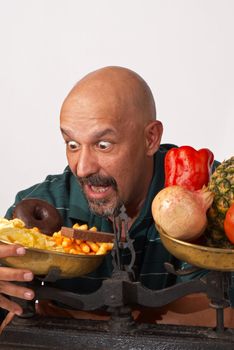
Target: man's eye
{"type": "Point", "coordinates": [72, 145]}
{"type": "Point", "coordinates": [104, 145]}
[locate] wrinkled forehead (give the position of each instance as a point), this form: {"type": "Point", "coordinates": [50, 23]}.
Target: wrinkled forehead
{"type": "Point", "coordinates": [99, 102]}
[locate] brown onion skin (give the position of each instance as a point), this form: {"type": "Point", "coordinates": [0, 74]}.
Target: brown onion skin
{"type": "Point", "coordinates": [182, 213]}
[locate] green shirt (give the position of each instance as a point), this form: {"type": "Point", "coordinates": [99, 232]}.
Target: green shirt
{"type": "Point", "coordinates": [64, 192]}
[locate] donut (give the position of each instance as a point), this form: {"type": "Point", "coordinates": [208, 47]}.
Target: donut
{"type": "Point", "coordinates": [38, 213]}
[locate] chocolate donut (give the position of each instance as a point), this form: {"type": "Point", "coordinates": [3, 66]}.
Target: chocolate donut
{"type": "Point", "coordinates": [38, 213]}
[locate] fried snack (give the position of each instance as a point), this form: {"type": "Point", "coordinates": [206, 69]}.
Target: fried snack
{"type": "Point", "coordinates": [14, 231]}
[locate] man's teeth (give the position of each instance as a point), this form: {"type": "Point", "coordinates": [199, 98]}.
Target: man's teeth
{"type": "Point", "coordinates": [99, 189]}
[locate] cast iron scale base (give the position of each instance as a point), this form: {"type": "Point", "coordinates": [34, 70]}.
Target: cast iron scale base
{"type": "Point", "coordinates": [117, 294]}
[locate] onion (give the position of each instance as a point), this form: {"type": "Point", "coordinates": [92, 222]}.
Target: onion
{"type": "Point", "coordinates": [182, 213]}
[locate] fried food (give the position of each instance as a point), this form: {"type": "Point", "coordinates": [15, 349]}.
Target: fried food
{"type": "Point", "coordinates": [14, 231]}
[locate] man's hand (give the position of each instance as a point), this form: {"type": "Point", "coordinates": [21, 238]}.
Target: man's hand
{"type": "Point", "coordinates": [7, 275]}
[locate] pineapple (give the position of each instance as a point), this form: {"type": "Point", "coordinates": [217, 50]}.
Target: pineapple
{"type": "Point", "coordinates": [222, 185]}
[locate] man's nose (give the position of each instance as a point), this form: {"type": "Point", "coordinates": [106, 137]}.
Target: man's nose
{"type": "Point", "coordinates": [87, 163]}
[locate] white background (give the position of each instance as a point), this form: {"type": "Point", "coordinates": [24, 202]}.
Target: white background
{"type": "Point", "coordinates": [182, 48]}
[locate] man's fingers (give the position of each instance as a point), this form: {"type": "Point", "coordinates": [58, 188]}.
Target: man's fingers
{"type": "Point", "coordinates": [17, 291]}
{"type": "Point", "coordinates": [10, 305]}
{"type": "Point", "coordinates": [10, 274]}
{"type": "Point", "coordinates": [11, 250]}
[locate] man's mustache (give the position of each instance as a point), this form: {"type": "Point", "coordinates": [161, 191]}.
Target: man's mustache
{"type": "Point", "coordinates": [97, 180]}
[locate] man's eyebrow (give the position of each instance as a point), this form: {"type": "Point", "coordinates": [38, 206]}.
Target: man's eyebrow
{"type": "Point", "coordinates": [102, 133]}
{"type": "Point", "coordinates": [63, 131]}
{"type": "Point", "coordinates": [96, 134]}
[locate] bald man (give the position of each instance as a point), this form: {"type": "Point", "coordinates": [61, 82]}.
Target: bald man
{"type": "Point", "coordinates": [108, 122]}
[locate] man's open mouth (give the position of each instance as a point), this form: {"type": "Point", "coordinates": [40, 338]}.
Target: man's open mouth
{"type": "Point", "coordinates": [97, 192]}
{"type": "Point", "coordinates": [97, 187]}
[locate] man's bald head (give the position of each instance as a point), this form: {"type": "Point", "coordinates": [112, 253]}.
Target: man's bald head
{"type": "Point", "coordinates": [122, 88]}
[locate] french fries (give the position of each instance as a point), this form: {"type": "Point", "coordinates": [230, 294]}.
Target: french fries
{"type": "Point", "coordinates": [77, 246]}
{"type": "Point", "coordinates": [14, 231]}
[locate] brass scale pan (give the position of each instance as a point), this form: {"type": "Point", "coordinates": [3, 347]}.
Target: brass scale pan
{"type": "Point", "coordinates": [41, 261]}
{"type": "Point", "coordinates": [220, 259]}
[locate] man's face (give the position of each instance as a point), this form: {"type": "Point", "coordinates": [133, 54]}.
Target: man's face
{"type": "Point", "coordinates": [105, 149]}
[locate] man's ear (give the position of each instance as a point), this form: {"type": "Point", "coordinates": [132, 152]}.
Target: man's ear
{"type": "Point", "coordinates": [153, 134]}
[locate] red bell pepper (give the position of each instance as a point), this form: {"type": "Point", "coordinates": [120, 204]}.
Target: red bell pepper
{"type": "Point", "coordinates": [187, 167]}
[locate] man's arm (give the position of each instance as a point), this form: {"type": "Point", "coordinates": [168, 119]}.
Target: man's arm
{"type": "Point", "coordinates": [191, 310]}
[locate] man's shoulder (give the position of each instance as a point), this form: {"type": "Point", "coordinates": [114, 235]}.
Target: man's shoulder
{"type": "Point", "coordinates": [160, 155]}
{"type": "Point", "coordinates": [165, 147]}
{"type": "Point", "coordinates": [53, 182]}
{"type": "Point", "coordinates": [54, 189]}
